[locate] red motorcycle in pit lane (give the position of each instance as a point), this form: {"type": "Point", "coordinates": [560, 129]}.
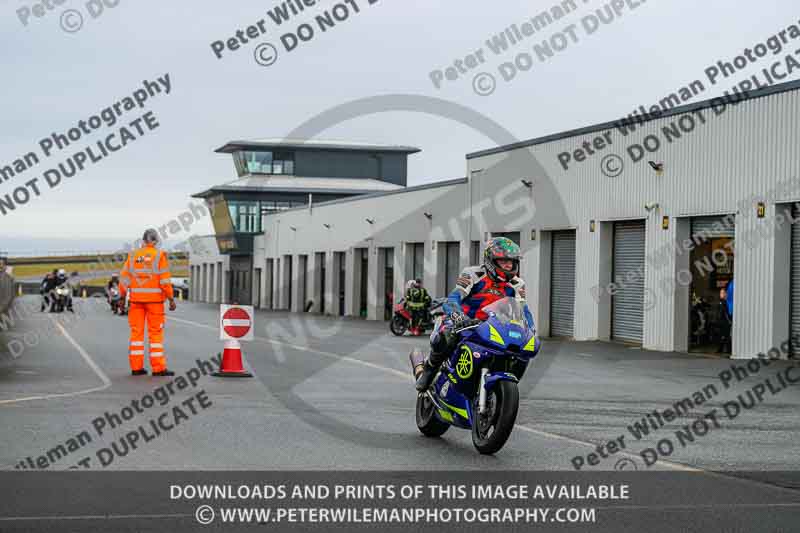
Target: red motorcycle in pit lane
{"type": "Point", "coordinates": [401, 320]}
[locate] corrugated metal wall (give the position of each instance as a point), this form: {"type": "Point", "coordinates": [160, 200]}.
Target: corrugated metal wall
{"type": "Point", "coordinates": [716, 169]}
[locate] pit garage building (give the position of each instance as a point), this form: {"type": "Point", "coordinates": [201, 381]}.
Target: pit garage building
{"type": "Point", "coordinates": [629, 230]}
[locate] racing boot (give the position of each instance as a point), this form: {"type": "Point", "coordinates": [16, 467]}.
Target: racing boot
{"type": "Point", "coordinates": [164, 373]}
{"type": "Point", "coordinates": [140, 372]}
{"type": "Point", "coordinates": [432, 365]}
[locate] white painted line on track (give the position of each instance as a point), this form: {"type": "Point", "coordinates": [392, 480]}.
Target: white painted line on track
{"type": "Point", "coordinates": [307, 349]}
{"type": "Point", "coordinates": [89, 361]}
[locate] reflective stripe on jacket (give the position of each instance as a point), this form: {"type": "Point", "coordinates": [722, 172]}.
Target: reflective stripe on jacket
{"type": "Point", "coordinates": [146, 275]}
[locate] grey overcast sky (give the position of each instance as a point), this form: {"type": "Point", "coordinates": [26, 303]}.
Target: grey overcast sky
{"type": "Point", "coordinates": [52, 79]}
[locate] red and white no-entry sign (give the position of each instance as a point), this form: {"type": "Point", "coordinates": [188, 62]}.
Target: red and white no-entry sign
{"type": "Point", "coordinates": [236, 322]}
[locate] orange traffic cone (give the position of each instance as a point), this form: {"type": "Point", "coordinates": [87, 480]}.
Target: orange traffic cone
{"type": "Point", "coordinates": [232, 362]}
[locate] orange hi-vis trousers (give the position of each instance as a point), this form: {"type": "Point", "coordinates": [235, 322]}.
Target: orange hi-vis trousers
{"type": "Point", "coordinates": [153, 314]}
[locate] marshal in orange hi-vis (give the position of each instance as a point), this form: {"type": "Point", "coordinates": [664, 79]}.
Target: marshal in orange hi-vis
{"type": "Point", "coordinates": [146, 278]}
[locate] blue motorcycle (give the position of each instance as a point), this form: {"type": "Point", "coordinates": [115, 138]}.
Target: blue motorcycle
{"type": "Point", "coordinates": [476, 388]}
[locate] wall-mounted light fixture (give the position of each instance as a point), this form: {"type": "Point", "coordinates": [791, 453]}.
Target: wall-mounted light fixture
{"type": "Point", "coordinates": [533, 234]}
{"type": "Point", "coordinates": [592, 226]}
{"type": "Point", "coordinates": [527, 183]}
{"type": "Point", "coordinates": [665, 222]}
{"type": "Point", "coordinates": [429, 216]}
{"type": "Point", "coordinates": [370, 220]}
{"type": "Point", "coordinates": [327, 226]}
{"type": "Point", "coordinates": [292, 228]}
{"type": "Point", "coordinates": [761, 209]}
{"type": "Point", "coordinates": [658, 167]}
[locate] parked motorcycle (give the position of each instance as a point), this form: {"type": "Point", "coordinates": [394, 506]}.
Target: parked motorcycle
{"type": "Point", "coordinates": [60, 298]}
{"type": "Point", "coordinates": [476, 388]}
{"type": "Point", "coordinates": [401, 320]}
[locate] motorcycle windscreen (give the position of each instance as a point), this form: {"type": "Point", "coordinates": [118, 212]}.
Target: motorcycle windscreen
{"type": "Point", "coordinates": [507, 310]}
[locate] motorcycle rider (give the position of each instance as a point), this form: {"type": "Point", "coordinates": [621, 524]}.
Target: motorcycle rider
{"type": "Point", "coordinates": [418, 302]}
{"type": "Point", "coordinates": [112, 283]}
{"type": "Point", "coordinates": [62, 279]}
{"type": "Point", "coordinates": [476, 288]}
{"type": "Point", "coordinates": [48, 284]}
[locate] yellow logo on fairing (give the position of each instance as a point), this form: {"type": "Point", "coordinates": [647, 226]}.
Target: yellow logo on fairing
{"type": "Point", "coordinates": [531, 346]}
{"type": "Point", "coordinates": [460, 412]}
{"type": "Point", "coordinates": [494, 336]}
{"type": "Point", "coordinates": [464, 364]}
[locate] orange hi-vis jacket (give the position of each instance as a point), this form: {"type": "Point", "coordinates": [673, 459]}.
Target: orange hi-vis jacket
{"type": "Point", "coordinates": [146, 276]}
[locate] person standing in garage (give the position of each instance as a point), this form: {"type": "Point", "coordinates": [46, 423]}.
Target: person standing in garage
{"type": "Point", "coordinates": [725, 318]}
{"type": "Point", "coordinates": [146, 277]}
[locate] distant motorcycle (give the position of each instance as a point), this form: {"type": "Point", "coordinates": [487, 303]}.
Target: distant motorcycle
{"type": "Point", "coordinates": [476, 388]}
{"type": "Point", "coordinates": [401, 320]}
{"type": "Point", "coordinates": [115, 301]}
{"type": "Point", "coordinates": [60, 298]}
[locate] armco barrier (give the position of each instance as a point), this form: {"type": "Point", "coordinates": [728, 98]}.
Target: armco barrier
{"type": "Point", "coordinates": [7, 291]}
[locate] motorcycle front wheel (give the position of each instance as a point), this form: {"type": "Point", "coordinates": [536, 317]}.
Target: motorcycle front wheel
{"type": "Point", "coordinates": [398, 325]}
{"type": "Point", "coordinates": [491, 430]}
{"type": "Point", "coordinates": [427, 423]}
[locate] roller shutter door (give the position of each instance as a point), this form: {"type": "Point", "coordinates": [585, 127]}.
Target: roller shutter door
{"type": "Point", "coordinates": [713, 227]}
{"type": "Point", "coordinates": [628, 301]}
{"type": "Point", "coordinates": [562, 284]}
{"type": "Point", "coordinates": [794, 314]}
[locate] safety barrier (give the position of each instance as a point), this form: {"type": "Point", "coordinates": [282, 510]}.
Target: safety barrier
{"type": "Point", "coordinates": [7, 292]}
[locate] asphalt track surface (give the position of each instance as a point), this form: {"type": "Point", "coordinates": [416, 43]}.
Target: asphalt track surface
{"type": "Point", "coordinates": [336, 395]}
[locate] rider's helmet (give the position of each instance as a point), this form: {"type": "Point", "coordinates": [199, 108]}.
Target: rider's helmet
{"type": "Point", "coordinates": [418, 283]}
{"type": "Point", "coordinates": [410, 284]}
{"type": "Point", "coordinates": [501, 248]}
{"type": "Point", "coordinates": [62, 272]}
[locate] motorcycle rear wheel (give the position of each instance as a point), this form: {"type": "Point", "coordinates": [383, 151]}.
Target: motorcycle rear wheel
{"type": "Point", "coordinates": [398, 325]}
{"type": "Point", "coordinates": [427, 423]}
{"type": "Point", "coordinates": [491, 431]}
